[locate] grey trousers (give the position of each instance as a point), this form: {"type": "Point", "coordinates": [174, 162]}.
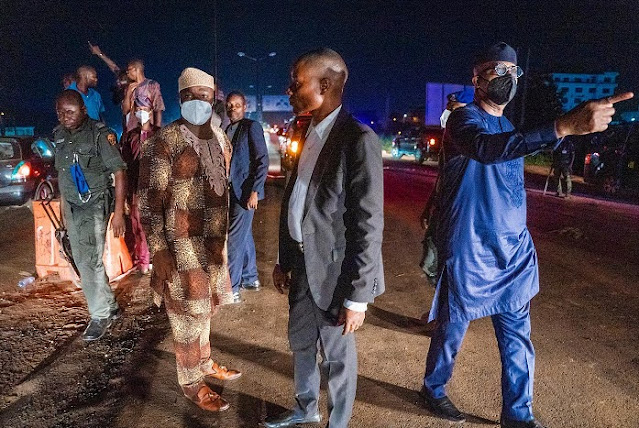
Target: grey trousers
{"type": "Point", "coordinates": [87, 228]}
{"type": "Point", "coordinates": [311, 330]}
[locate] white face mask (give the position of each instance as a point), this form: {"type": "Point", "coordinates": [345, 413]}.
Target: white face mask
{"type": "Point", "coordinates": [196, 112]}
{"type": "Point", "coordinates": [143, 116]}
{"type": "Point", "coordinates": [444, 118]}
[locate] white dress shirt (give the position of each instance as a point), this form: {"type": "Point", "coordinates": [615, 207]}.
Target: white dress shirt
{"type": "Point", "coordinates": [316, 137]}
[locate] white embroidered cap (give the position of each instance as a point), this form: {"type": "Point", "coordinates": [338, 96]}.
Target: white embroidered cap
{"type": "Point", "coordinates": [194, 77]}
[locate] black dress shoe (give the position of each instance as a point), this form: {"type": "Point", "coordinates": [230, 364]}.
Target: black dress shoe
{"type": "Point", "coordinates": [533, 423]}
{"type": "Point", "coordinates": [96, 329]}
{"type": "Point", "coordinates": [290, 418]}
{"type": "Point", "coordinates": [442, 407]}
{"type": "Point", "coordinates": [252, 286]}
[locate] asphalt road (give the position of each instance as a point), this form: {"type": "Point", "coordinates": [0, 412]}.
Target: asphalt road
{"type": "Point", "coordinates": [585, 330]}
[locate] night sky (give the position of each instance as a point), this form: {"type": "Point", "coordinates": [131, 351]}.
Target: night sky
{"type": "Point", "coordinates": [391, 47]}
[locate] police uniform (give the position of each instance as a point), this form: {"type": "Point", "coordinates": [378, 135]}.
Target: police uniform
{"type": "Point", "coordinates": [97, 153]}
{"type": "Point", "coordinates": [563, 159]}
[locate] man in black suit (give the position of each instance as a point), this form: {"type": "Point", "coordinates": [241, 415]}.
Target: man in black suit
{"type": "Point", "coordinates": [249, 167]}
{"type": "Point", "coordinates": [330, 248]}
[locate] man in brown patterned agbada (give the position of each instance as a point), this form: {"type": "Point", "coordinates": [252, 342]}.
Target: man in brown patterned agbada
{"type": "Point", "coordinates": [183, 208]}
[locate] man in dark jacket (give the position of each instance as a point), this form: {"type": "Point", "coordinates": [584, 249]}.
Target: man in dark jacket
{"type": "Point", "coordinates": [330, 247]}
{"type": "Point", "coordinates": [249, 166]}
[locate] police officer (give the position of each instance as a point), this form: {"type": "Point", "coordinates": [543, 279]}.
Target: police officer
{"type": "Point", "coordinates": [562, 160]}
{"type": "Point", "coordinates": [86, 151]}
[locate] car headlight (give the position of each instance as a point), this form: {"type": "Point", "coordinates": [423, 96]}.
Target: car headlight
{"type": "Point", "coordinates": [294, 146]}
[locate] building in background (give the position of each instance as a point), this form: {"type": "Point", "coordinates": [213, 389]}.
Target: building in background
{"type": "Point", "coordinates": [276, 109]}
{"type": "Point", "coordinates": [574, 88]}
{"type": "Point", "coordinates": [18, 131]}
{"type": "Point", "coordinates": [8, 127]}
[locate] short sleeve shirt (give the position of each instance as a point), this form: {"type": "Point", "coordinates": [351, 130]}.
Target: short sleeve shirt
{"type": "Point", "coordinates": [92, 101]}
{"type": "Point", "coordinates": [149, 89]}
{"type": "Point", "coordinates": [96, 149]}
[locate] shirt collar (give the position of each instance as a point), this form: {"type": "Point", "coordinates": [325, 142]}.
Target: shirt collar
{"type": "Point", "coordinates": [74, 86]}
{"type": "Point", "coordinates": [324, 127]}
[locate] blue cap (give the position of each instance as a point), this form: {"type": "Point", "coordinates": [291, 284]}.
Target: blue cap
{"type": "Point", "coordinates": [464, 96]}
{"type": "Point", "coordinates": [496, 53]}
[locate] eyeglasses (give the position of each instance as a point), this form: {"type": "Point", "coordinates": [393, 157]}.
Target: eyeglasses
{"type": "Point", "coordinates": [502, 69]}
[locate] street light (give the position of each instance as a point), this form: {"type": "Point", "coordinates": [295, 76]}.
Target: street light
{"type": "Point", "coordinates": [258, 97]}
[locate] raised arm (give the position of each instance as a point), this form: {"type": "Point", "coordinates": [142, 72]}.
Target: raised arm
{"type": "Point", "coordinates": [472, 139]}
{"type": "Point", "coordinates": [95, 50]}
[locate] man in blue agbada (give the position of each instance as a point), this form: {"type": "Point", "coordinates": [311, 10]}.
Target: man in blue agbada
{"type": "Point", "coordinates": [487, 258]}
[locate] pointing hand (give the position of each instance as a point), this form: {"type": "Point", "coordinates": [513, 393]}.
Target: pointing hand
{"type": "Point", "coordinates": [591, 116]}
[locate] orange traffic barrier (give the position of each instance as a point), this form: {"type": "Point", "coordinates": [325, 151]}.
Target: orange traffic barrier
{"type": "Point", "coordinates": [50, 261]}
{"type": "Point", "coordinates": [117, 260]}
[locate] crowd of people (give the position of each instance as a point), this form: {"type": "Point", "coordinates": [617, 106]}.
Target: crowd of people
{"type": "Point", "coordinates": [184, 193]}
{"type": "Point", "coordinates": [192, 187]}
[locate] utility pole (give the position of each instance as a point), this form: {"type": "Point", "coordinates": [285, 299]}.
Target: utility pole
{"type": "Point", "coordinates": [258, 95]}
{"type": "Point", "coordinates": [215, 57]}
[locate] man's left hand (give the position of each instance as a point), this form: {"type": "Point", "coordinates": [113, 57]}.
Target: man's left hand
{"type": "Point", "coordinates": [251, 204]}
{"type": "Point", "coordinates": [118, 225]}
{"type": "Point", "coordinates": [352, 320]}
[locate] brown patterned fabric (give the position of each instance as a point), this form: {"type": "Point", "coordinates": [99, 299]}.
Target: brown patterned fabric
{"type": "Point", "coordinates": [184, 209]}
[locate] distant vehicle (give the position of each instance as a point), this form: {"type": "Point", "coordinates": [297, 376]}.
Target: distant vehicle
{"type": "Point", "coordinates": [290, 145]}
{"type": "Point", "coordinates": [613, 159]}
{"type": "Point", "coordinates": [26, 170]}
{"type": "Point", "coordinates": [424, 143]}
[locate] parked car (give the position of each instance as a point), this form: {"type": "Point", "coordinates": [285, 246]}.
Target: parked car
{"type": "Point", "coordinates": [290, 146]}
{"type": "Point", "coordinates": [26, 170]}
{"type": "Point", "coordinates": [613, 159]}
{"type": "Point", "coordinates": [422, 142]}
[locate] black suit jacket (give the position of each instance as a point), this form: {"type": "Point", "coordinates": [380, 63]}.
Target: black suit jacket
{"type": "Point", "coordinates": [343, 218]}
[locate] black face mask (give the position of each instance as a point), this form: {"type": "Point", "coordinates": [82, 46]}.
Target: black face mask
{"type": "Point", "coordinates": [501, 90]}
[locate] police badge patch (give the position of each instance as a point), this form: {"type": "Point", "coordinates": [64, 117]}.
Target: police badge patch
{"type": "Point", "coordinates": [113, 140]}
